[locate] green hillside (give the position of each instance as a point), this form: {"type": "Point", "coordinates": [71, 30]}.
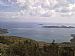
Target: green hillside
{"type": "Point", "coordinates": [18, 46]}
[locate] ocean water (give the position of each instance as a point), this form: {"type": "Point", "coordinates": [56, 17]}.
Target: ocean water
{"type": "Point", "coordinates": [36, 32]}
{"type": "Point", "coordinates": [44, 34]}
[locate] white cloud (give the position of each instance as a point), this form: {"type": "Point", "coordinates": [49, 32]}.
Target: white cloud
{"type": "Point", "coordinates": [46, 7]}
{"type": "Point", "coordinates": [40, 8]}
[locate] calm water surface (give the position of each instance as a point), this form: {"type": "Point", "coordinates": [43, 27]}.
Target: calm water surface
{"type": "Point", "coordinates": [44, 34]}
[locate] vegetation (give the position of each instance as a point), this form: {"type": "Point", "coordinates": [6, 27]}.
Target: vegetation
{"type": "Point", "coordinates": [17, 46]}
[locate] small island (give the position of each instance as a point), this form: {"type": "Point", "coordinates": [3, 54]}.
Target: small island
{"type": "Point", "coordinates": [58, 26]}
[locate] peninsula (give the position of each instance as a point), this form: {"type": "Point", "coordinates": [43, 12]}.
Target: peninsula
{"type": "Point", "coordinates": [3, 31]}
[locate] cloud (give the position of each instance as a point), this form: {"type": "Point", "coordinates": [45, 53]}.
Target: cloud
{"type": "Point", "coordinates": [40, 8]}
{"type": "Point", "coordinates": [47, 7]}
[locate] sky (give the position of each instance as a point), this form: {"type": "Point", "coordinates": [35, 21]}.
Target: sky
{"type": "Point", "coordinates": [54, 11]}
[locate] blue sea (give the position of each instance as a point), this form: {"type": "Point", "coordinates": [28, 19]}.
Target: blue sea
{"type": "Point", "coordinates": [37, 32]}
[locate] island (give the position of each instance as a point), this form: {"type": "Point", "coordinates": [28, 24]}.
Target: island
{"type": "Point", "coordinates": [58, 26]}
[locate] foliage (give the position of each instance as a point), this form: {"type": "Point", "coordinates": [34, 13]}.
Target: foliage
{"type": "Point", "coordinates": [18, 46]}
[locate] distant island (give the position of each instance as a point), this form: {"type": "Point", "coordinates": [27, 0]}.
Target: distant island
{"type": "Point", "coordinates": [3, 31]}
{"type": "Point", "coordinates": [58, 27]}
